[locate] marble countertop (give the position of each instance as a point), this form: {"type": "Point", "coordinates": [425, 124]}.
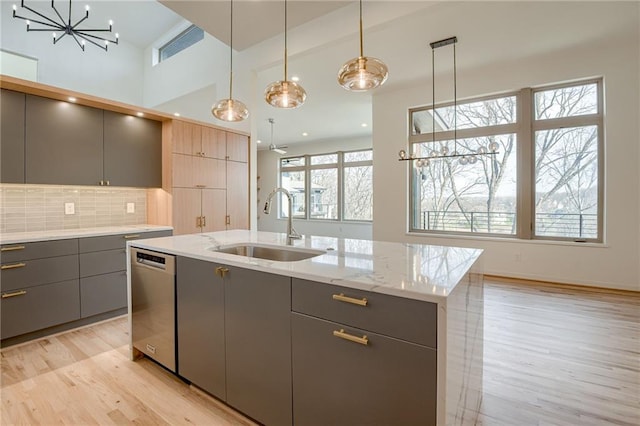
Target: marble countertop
{"type": "Point", "coordinates": [415, 271]}
{"type": "Point", "coordinates": [64, 234]}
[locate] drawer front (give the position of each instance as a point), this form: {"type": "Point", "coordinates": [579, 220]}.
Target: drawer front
{"type": "Point", "coordinates": [38, 250]}
{"type": "Point", "coordinates": [102, 262]}
{"type": "Point", "coordinates": [407, 319]}
{"type": "Point", "coordinates": [112, 242]}
{"type": "Point", "coordinates": [103, 293]}
{"type": "Point", "coordinates": [39, 307]}
{"type": "Point", "coordinates": [341, 382]}
{"type": "Point", "coordinates": [29, 273]}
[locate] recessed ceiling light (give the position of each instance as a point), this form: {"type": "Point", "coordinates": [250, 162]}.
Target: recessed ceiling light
{"type": "Point", "coordinates": [140, 114]}
{"type": "Point", "coordinates": [177, 114]}
{"type": "Point", "coordinates": [72, 99]}
{"type": "Point", "coordinates": [295, 78]}
{"type": "Point", "coordinates": [305, 134]}
{"type": "Point", "coordinates": [258, 141]}
{"type": "Point", "coordinates": [364, 124]}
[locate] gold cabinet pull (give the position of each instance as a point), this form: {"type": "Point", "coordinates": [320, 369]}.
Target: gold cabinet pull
{"type": "Point", "coordinates": [13, 266]}
{"type": "Point", "coordinates": [199, 222]}
{"type": "Point", "coordinates": [342, 298]}
{"type": "Point", "coordinates": [346, 336]}
{"type": "Point", "coordinates": [204, 221]}
{"type": "Point", "coordinates": [12, 248]}
{"type": "Point", "coordinates": [128, 237]}
{"type": "Point", "coordinates": [221, 271]}
{"type": "Point", "coordinates": [227, 220]}
{"type": "Point", "coordinates": [14, 294]}
{"type": "Point", "coordinates": [201, 186]}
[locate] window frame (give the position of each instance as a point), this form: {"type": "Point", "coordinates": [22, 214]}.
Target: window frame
{"type": "Point", "coordinates": [340, 166]}
{"type": "Point", "coordinates": [525, 128]}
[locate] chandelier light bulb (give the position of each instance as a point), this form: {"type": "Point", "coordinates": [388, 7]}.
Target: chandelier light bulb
{"type": "Point", "coordinates": [402, 154]}
{"type": "Point", "coordinates": [473, 159]}
{"type": "Point", "coordinates": [463, 161]}
{"type": "Point", "coordinates": [15, 7]}
{"type": "Point", "coordinates": [493, 146]}
{"type": "Point", "coordinates": [481, 150]}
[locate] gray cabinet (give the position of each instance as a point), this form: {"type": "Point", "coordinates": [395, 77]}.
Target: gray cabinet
{"type": "Point", "coordinates": [200, 325]}
{"type": "Point", "coordinates": [361, 357]}
{"type": "Point", "coordinates": [39, 284]}
{"type": "Point", "coordinates": [12, 106]}
{"type": "Point", "coordinates": [103, 279]}
{"type": "Point", "coordinates": [63, 142]}
{"type": "Point", "coordinates": [258, 344]}
{"type": "Point", "coordinates": [132, 150]}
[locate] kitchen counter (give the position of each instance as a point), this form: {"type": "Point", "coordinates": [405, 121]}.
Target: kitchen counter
{"type": "Point", "coordinates": [65, 234]}
{"type": "Point", "coordinates": [415, 271]}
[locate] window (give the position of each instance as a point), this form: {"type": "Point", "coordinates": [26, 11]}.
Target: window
{"type": "Point", "coordinates": [335, 186]}
{"type": "Point", "coordinates": [544, 182]}
{"type": "Point", "coordinates": [187, 38]}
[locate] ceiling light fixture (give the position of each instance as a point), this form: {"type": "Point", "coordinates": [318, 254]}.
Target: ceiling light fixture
{"type": "Point", "coordinates": [58, 23]}
{"type": "Point", "coordinates": [364, 72]}
{"type": "Point", "coordinates": [72, 99]}
{"type": "Point", "coordinates": [230, 109]}
{"type": "Point", "coordinates": [285, 93]}
{"type": "Point", "coordinates": [463, 158]}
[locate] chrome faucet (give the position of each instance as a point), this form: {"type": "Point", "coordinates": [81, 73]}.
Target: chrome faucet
{"type": "Point", "coordinates": [292, 234]}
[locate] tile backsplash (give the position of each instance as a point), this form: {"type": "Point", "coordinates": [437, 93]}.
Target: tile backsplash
{"type": "Point", "coordinates": [26, 208]}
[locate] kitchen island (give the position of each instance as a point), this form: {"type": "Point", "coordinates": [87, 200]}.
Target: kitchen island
{"type": "Point", "coordinates": [359, 332]}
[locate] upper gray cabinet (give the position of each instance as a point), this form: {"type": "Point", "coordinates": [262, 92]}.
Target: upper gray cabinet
{"type": "Point", "coordinates": [12, 136]}
{"type": "Point", "coordinates": [63, 142]}
{"type": "Point", "coordinates": [132, 150]}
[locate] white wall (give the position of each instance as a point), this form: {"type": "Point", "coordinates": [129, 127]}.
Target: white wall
{"type": "Point", "coordinates": [268, 171]}
{"type": "Point", "coordinates": [613, 264]}
{"type": "Point", "coordinates": [116, 74]}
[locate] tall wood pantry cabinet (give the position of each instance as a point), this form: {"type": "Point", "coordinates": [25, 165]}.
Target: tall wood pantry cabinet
{"type": "Point", "coordinates": [210, 178]}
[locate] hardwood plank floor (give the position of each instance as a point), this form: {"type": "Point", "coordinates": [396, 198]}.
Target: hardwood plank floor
{"type": "Point", "coordinates": [553, 356]}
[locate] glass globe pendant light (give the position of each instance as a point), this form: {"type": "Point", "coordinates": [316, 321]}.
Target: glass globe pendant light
{"type": "Point", "coordinates": [362, 73]}
{"type": "Point", "coordinates": [285, 93]}
{"type": "Point", "coordinates": [230, 109]}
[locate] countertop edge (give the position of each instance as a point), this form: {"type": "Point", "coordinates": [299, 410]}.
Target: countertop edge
{"type": "Point", "coordinates": [67, 234]}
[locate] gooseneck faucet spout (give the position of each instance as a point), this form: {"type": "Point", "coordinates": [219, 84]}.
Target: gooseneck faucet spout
{"type": "Point", "coordinates": [292, 234]}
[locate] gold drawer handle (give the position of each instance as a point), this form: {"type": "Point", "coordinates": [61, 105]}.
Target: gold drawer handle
{"type": "Point", "coordinates": [14, 294]}
{"type": "Point", "coordinates": [128, 237]}
{"type": "Point", "coordinates": [342, 298]}
{"type": "Point", "coordinates": [341, 334]}
{"type": "Point", "coordinates": [201, 186]}
{"type": "Point", "coordinates": [13, 266]}
{"type": "Point", "coordinates": [221, 271]}
{"type": "Point", "coordinates": [12, 248]}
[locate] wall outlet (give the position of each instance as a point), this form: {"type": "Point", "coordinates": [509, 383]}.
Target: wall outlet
{"type": "Point", "coordinates": [131, 207]}
{"type": "Point", "coordinates": [69, 208]}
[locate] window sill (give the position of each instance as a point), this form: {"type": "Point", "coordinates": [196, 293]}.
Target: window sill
{"type": "Point", "coordinates": [507, 240]}
{"type": "Point", "coordinates": [330, 221]}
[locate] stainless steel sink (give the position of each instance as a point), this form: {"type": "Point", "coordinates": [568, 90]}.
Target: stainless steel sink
{"type": "Point", "coordinates": [269, 252]}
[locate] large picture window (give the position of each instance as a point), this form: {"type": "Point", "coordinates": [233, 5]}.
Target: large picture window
{"type": "Point", "coordinates": [335, 186]}
{"type": "Point", "coordinates": [544, 182]}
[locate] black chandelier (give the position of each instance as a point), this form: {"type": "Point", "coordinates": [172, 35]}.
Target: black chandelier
{"type": "Point", "coordinates": [58, 23]}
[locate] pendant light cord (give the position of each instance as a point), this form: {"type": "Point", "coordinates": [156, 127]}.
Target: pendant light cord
{"type": "Point", "coordinates": [455, 103]}
{"type": "Point", "coordinates": [285, 40]}
{"type": "Point", "coordinates": [231, 56]}
{"type": "Point", "coordinates": [361, 42]}
{"type": "Point", "coordinates": [433, 94]}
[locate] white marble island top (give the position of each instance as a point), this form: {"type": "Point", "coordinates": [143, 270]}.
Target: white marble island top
{"type": "Point", "coordinates": [416, 271]}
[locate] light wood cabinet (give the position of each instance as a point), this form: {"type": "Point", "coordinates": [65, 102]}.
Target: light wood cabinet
{"type": "Point", "coordinates": [209, 178]}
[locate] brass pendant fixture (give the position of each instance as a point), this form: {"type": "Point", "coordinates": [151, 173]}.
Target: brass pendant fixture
{"type": "Point", "coordinates": [364, 72]}
{"type": "Point", "coordinates": [285, 93]}
{"type": "Point", "coordinates": [230, 109]}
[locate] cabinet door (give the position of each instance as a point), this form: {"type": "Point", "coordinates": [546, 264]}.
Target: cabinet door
{"type": "Point", "coordinates": [186, 210]}
{"type": "Point", "coordinates": [341, 382]}
{"type": "Point", "coordinates": [238, 195]}
{"type": "Point", "coordinates": [237, 147]}
{"type": "Point", "coordinates": [258, 343]}
{"type": "Point", "coordinates": [132, 151]}
{"type": "Point", "coordinates": [103, 293]}
{"type": "Point", "coordinates": [63, 142]}
{"type": "Point", "coordinates": [39, 307]}
{"type": "Point", "coordinates": [187, 138]}
{"type": "Point", "coordinates": [214, 143]}
{"type": "Point", "coordinates": [211, 172]}
{"type": "Point", "coordinates": [12, 105]}
{"type": "Point", "coordinates": [214, 209]}
{"type": "Point", "coordinates": [184, 171]}
{"type": "Point", "coordinates": [200, 325]}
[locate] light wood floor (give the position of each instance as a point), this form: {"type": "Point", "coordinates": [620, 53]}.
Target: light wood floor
{"type": "Point", "coordinates": [553, 356]}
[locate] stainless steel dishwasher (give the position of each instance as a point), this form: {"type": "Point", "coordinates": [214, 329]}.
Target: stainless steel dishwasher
{"type": "Point", "coordinates": [153, 313]}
